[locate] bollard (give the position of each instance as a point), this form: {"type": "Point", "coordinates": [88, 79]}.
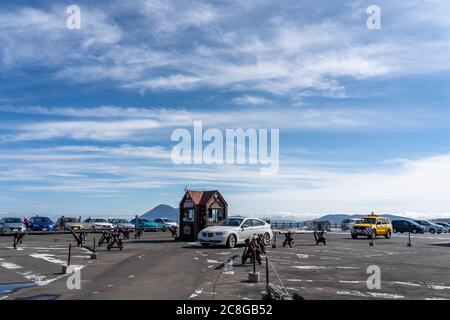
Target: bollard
{"type": "Point", "coordinates": [94, 255]}
{"type": "Point", "coordinates": [267, 270]}
{"type": "Point", "coordinates": [409, 240]}
{"type": "Point", "coordinates": [65, 269]}
{"type": "Point", "coordinates": [371, 238]}
{"type": "Point", "coordinates": [253, 276]}
{"type": "Point", "coordinates": [274, 244]}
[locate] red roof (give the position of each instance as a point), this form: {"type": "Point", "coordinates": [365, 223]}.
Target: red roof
{"type": "Point", "coordinates": [201, 197]}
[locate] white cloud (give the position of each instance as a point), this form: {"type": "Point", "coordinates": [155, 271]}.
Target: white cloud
{"type": "Point", "coordinates": [278, 52]}
{"type": "Point", "coordinates": [129, 124]}
{"type": "Point", "coordinates": [251, 100]}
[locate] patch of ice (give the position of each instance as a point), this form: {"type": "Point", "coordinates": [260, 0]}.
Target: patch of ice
{"type": "Point", "coordinates": [47, 257]}
{"type": "Point", "coordinates": [309, 267]}
{"type": "Point", "coordinates": [299, 280]}
{"type": "Point", "coordinates": [9, 265]}
{"type": "Point", "coordinates": [437, 287]}
{"type": "Point", "coordinates": [407, 283]}
{"type": "Point", "coordinates": [212, 261]}
{"type": "Point", "coordinates": [302, 256]}
{"type": "Point", "coordinates": [370, 294]}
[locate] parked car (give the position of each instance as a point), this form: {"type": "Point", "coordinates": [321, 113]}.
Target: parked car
{"type": "Point", "coordinates": [444, 225]}
{"type": "Point", "coordinates": [430, 226]}
{"type": "Point", "coordinates": [39, 223]}
{"type": "Point", "coordinates": [407, 226]}
{"type": "Point", "coordinates": [68, 223]}
{"type": "Point", "coordinates": [234, 230]}
{"type": "Point", "coordinates": [98, 223]}
{"type": "Point", "coordinates": [12, 224]}
{"type": "Point", "coordinates": [121, 223]}
{"type": "Point", "coordinates": [380, 226]}
{"type": "Point", "coordinates": [167, 222]}
{"type": "Point", "coordinates": [148, 225]}
{"type": "Point", "coordinates": [347, 224]}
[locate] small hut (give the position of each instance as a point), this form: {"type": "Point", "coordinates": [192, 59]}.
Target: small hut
{"type": "Point", "coordinates": [200, 209]}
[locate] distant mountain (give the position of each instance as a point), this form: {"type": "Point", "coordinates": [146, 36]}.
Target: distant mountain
{"type": "Point", "coordinates": [161, 211]}
{"type": "Point", "coordinates": [336, 218]}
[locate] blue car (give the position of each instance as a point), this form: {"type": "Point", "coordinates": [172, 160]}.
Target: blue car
{"type": "Point", "coordinates": [38, 223]}
{"type": "Point", "coordinates": [148, 225]}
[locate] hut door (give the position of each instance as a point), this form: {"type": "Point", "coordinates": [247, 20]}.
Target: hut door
{"type": "Point", "coordinates": [188, 223]}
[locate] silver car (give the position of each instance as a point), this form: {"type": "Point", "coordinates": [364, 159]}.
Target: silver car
{"type": "Point", "coordinates": [444, 225]}
{"type": "Point", "coordinates": [12, 224]}
{"type": "Point", "coordinates": [430, 226]}
{"type": "Point", "coordinates": [122, 223]}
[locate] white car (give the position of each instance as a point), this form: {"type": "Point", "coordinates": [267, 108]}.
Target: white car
{"type": "Point", "coordinates": [234, 230]}
{"type": "Point", "coordinates": [98, 223]}
{"type": "Point", "coordinates": [347, 224]}
{"type": "Point", "coordinates": [167, 222]}
{"type": "Point", "coordinates": [430, 226]}
{"type": "Point", "coordinates": [444, 225]}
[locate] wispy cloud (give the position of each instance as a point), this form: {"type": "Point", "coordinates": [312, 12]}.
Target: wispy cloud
{"type": "Point", "coordinates": [128, 124]}
{"type": "Point", "coordinates": [279, 52]}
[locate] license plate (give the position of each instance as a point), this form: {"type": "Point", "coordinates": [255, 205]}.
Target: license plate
{"type": "Point", "coordinates": [44, 229]}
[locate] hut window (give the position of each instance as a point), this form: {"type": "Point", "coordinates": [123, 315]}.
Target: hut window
{"type": "Point", "coordinates": [214, 215]}
{"type": "Point", "coordinates": [188, 215]}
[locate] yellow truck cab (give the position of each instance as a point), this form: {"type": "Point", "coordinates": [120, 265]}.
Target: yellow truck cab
{"type": "Point", "coordinates": [380, 226]}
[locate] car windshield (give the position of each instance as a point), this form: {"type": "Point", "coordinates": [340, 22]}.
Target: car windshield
{"type": "Point", "coordinates": [119, 221]}
{"type": "Point", "coordinates": [70, 220]}
{"type": "Point", "coordinates": [232, 222]}
{"type": "Point", "coordinates": [99, 220]}
{"type": "Point", "coordinates": [369, 220]}
{"type": "Point", "coordinates": [42, 219]}
{"type": "Point", "coordinates": [12, 220]}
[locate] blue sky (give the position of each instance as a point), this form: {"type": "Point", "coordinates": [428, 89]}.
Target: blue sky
{"type": "Point", "coordinates": [86, 115]}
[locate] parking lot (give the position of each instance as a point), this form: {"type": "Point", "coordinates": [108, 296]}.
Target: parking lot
{"type": "Point", "coordinates": [157, 267]}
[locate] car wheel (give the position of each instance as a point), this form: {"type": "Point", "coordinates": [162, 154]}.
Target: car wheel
{"type": "Point", "coordinates": [414, 231]}
{"type": "Point", "coordinates": [354, 236]}
{"type": "Point", "coordinates": [266, 239]}
{"type": "Point", "coordinates": [205, 245]}
{"type": "Point", "coordinates": [432, 231]}
{"type": "Point", "coordinates": [231, 242]}
{"type": "Point", "coordinates": [388, 234]}
{"type": "Point", "coordinates": [164, 229]}
{"type": "Point", "coordinates": [395, 230]}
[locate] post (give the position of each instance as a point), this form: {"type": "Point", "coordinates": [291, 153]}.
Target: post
{"type": "Point", "coordinates": [70, 253]}
{"type": "Point", "coordinates": [66, 269]}
{"type": "Point", "coordinates": [267, 269]}
{"type": "Point", "coordinates": [409, 239]}
{"type": "Point", "coordinates": [371, 237]}
{"type": "Point", "coordinates": [274, 244]}
{"type": "Point", "coordinates": [254, 261]}
{"type": "Point", "coordinates": [94, 254]}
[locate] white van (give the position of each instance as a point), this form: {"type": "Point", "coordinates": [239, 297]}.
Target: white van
{"type": "Point", "coordinates": [347, 224]}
